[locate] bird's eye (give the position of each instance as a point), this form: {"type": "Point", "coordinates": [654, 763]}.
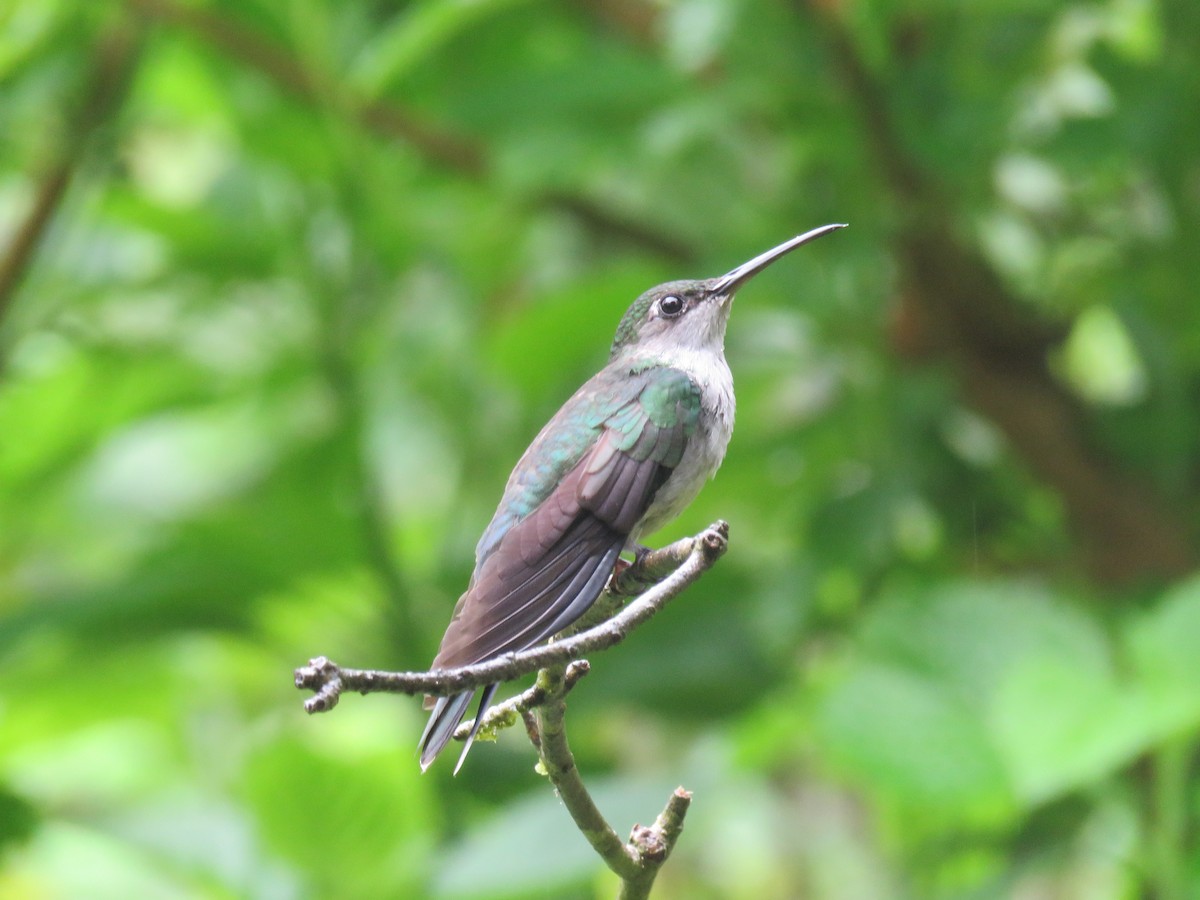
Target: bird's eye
{"type": "Point", "coordinates": [670, 306]}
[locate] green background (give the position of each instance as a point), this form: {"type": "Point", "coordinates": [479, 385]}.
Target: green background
{"type": "Point", "coordinates": [285, 289]}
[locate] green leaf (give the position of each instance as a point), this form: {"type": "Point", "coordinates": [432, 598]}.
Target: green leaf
{"type": "Point", "coordinates": [915, 743]}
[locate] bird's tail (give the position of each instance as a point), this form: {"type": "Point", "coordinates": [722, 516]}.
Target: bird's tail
{"type": "Point", "coordinates": [443, 722]}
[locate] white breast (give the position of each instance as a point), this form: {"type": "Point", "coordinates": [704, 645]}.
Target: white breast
{"type": "Point", "coordinates": [705, 449]}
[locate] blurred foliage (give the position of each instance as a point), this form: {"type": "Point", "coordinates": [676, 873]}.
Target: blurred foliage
{"type": "Point", "coordinates": [321, 269]}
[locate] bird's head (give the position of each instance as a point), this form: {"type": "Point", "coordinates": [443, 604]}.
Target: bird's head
{"type": "Point", "coordinates": [692, 315]}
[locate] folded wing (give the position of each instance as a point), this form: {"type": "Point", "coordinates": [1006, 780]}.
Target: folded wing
{"type": "Point", "coordinates": [550, 566]}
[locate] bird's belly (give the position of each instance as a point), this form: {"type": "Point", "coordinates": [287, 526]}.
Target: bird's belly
{"type": "Point", "coordinates": [700, 461]}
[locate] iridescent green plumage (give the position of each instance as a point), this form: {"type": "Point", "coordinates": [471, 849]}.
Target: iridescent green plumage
{"type": "Point", "coordinates": [655, 398]}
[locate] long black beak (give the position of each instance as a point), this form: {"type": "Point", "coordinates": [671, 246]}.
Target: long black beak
{"type": "Point", "coordinates": [743, 273]}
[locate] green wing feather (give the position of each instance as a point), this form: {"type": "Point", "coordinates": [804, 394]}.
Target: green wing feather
{"type": "Point", "coordinates": [607, 414]}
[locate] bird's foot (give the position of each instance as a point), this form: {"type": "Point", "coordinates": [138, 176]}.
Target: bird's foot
{"type": "Point", "coordinates": [639, 552]}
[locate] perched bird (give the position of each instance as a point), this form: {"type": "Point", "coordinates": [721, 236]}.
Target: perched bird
{"type": "Point", "coordinates": [624, 456]}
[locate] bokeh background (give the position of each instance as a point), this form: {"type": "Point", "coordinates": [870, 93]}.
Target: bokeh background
{"type": "Point", "coordinates": [286, 288]}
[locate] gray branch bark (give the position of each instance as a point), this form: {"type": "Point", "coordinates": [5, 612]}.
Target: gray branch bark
{"type": "Point", "coordinates": [329, 680]}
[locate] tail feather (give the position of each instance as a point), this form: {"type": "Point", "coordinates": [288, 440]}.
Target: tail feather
{"type": "Point", "coordinates": [443, 722]}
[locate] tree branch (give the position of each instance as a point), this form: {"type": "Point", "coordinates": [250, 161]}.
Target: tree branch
{"type": "Point", "coordinates": [653, 845]}
{"type": "Point", "coordinates": [636, 861]}
{"type": "Point", "coordinates": [559, 765]}
{"type": "Point", "coordinates": [329, 680]}
{"type": "Point", "coordinates": [542, 707]}
{"type": "Point", "coordinates": [543, 711]}
{"type": "Point", "coordinates": [508, 713]}
{"type": "Point", "coordinates": [243, 43]}
{"type": "Point", "coordinates": [104, 89]}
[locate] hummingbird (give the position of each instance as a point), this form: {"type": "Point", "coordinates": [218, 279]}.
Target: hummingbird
{"type": "Point", "coordinates": [621, 458]}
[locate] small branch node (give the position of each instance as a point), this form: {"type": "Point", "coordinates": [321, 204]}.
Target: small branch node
{"type": "Point", "coordinates": [532, 730]}
{"type": "Point", "coordinates": [323, 676]}
{"type": "Point", "coordinates": [648, 843]}
{"type": "Point", "coordinates": [574, 672]}
{"type": "Point", "coordinates": [715, 540]}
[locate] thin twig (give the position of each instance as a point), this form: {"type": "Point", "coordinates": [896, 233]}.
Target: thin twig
{"type": "Point", "coordinates": [329, 680]}
{"type": "Point", "coordinates": [653, 845]}
{"type": "Point", "coordinates": [513, 710]}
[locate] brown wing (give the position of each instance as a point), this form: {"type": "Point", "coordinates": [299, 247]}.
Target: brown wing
{"type": "Point", "coordinates": [552, 565]}
{"type": "Point", "coordinates": [549, 567]}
